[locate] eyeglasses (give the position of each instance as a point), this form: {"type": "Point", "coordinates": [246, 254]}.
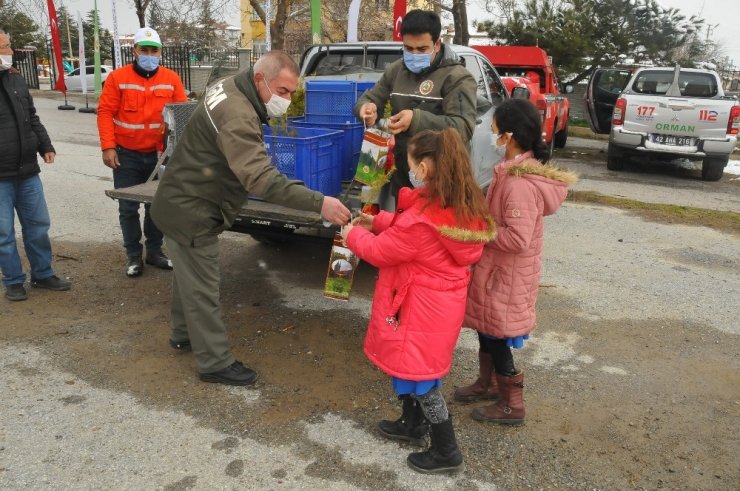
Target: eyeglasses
{"type": "Point", "coordinates": [5, 46]}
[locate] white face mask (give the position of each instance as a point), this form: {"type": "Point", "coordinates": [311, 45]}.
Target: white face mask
{"type": "Point", "coordinates": [276, 106]}
{"type": "Point", "coordinates": [499, 150]}
{"type": "Point", "coordinates": [6, 62]}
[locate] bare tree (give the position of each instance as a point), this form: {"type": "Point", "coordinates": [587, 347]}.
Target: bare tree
{"type": "Point", "coordinates": [459, 11]}
{"type": "Point", "coordinates": [140, 6]}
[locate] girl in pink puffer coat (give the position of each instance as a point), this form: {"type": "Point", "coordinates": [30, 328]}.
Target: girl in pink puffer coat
{"type": "Point", "coordinates": [503, 290]}
{"type": "Point", "coordinates": [423, 253]}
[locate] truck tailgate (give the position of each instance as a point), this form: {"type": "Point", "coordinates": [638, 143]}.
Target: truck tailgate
{"type": "Point", "coordinates": [663, 115]}
{"type": "Point", "coordinates": [260, 213]}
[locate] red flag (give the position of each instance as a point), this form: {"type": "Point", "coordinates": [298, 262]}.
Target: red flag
{"type": "Point", "coordinates": [59, 82]}
{"type": "Point", "coordinates": [399, 10]}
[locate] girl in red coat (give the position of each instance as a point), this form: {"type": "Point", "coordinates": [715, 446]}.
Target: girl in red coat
{"type": "Point", "coordinates": [423, 252]}
{"type": "Point", "coordinates": [503, 291]}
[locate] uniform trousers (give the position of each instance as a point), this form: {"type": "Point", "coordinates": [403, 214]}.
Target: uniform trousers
{"type": "Point", "coordinates": [196, 307]}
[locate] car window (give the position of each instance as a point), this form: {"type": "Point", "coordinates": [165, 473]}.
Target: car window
{"type": "Point", "coordinates": [495, 86]}
{"type": "Point", "coordinates": [651, 82]}
{"type": "Point", "coordinates": [471, 63]}
{"type": "Point", "coordinates": [690, 84]}
{"type": "Point", "coordinates": [697, 84]}
{"type": "Point", "coordinates": [611, 81]}
{"type": "Point", "coordinates": [332, 63]}
{"type": "Point", "coordinates": [75, 72]}
{"type": "Point", "coordinates": [90, 70]}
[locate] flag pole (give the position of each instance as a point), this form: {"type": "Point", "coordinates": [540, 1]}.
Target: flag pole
{"type": "Point", "coordinates": [59, 68]}
{"type": "Point", "coordinates": [83, 65]}
{"type": "Point", "coordinates": [87, 108]}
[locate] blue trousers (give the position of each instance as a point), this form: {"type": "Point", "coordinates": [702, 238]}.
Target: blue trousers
{"type": "Point", "coordinates": [135, 168]}
{"type": "Point", "coordinates": [25, 197]}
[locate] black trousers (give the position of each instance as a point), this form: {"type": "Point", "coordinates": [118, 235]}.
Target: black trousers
{"type": "Point", "coordinates": [503, 360]}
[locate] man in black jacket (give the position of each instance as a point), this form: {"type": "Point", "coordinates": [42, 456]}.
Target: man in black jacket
{"type": "Point", "coordinates": [21, 136]}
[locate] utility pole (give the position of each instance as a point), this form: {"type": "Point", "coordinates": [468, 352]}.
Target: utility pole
{"type": "Point", "coordinates": [710, 28]}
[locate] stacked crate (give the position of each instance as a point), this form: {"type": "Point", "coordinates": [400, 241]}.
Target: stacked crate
{"type": "Point", "coordinates": [330, 105]}
{"type": "Point", "coordinates": [312, 155]}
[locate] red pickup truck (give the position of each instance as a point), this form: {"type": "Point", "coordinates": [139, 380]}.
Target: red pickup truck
{"type": "Point", "coordinates": [531, 67]}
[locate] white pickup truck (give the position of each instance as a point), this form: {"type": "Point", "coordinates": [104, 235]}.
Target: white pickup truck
{"type": "Point", "coordinates": [664, 114]}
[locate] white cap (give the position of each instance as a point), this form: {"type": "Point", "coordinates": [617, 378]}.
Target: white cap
{"type": "Point", "coordinates": [146, 36]}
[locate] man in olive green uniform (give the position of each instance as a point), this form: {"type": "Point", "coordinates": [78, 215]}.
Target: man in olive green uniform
{"type": "Point", "coordinates": [429, 89]}
{"type": "Point", "coordinates": [219, 160]}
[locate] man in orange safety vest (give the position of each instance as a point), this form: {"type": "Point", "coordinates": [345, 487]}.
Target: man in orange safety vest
{"type": "Point", "coordinates": [130, 128]}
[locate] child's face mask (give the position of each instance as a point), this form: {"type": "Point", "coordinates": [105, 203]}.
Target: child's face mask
{"type": "Point", "coordinates": [415, 182]}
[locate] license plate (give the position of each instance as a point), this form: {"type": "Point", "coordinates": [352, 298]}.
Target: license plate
{"type": "Point", "coordinates": [678, 141]}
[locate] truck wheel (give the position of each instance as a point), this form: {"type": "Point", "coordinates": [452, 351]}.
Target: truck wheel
{"type": "Point", "coordinates": [561, 137]}
{"type": "Point", "coordinates": [614, 158]}
{"type": "Point", "coordinates": [712, 169]}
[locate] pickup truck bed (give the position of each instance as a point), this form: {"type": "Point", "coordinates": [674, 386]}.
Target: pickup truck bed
{"type": "Point", "coordinates": [259, 218]}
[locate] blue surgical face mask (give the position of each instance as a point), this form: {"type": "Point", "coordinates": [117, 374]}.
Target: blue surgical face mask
{"type": "Point", "coordinates": [148, 62]}
{"type": "Point", "coordinates": [417, 63]}
{"type": "Point", "coordinates": [417, 183]}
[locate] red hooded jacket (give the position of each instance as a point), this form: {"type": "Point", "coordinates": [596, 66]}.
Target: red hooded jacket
{"type": "Point", "coordinates": [423, 255]}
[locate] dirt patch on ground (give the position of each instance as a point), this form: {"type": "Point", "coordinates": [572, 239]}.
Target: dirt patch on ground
{"type": "Point", "coordinates": [669, 419]}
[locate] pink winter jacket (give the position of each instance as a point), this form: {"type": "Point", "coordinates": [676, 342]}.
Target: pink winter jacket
{"type": "Point", "coordinates": [503, 290]}
{"type": "Point", "coordinates": [423, 256]}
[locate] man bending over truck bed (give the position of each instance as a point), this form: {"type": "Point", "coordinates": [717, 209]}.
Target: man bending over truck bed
{"type": "Point", "coordinates": [219, 160]}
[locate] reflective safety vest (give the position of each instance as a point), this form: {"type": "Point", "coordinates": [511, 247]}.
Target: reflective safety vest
{"type": "Point", "coordinates": [130, 108]}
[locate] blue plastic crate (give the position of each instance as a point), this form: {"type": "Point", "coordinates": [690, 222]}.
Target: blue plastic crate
{"type": "Point", "coordinates": [352, 134]}
{"type": "Point", "coordinates": [362, 87]}
{"type": "Point", "coordinates": [331, 101]}
{"type": "Point", "coordinates": [309, 154]}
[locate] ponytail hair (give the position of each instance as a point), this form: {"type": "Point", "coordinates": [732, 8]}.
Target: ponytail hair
{"type": "Point", "coordinates": [450, 179]}
{"type": "Point", "coordinates": [520, 118]}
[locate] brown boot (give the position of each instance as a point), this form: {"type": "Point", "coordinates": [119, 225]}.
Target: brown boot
{"type": "Point", "coordinates": [509, 410]}
{"type": "Point", "coordinates": [484, 388]}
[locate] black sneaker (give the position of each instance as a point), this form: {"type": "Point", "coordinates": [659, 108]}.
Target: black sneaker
{"type": "Point", "coordinates": [52, 283]}
{"type": "Point", "coordinates": [159, 260]}
{"type": "Point", "coordinates": [134, 266]}
{"type": "Point", "coordinates": [234, 374]}
{"type": "Point", "coordinates": [16, 292]}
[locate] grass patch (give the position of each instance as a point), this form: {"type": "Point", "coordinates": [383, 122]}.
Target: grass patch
{"type": "Point", "coordinates": [578, 122]}
{"type": "Point", "coordinates": [582, 132]}
{"type": "Point", "coordinates": [724, 221]}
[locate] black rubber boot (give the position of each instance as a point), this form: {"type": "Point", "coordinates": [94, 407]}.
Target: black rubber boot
{"type": "Point", "coordinates": [410, 427]}
{"type": "Point", "coordinates": [443, 456]}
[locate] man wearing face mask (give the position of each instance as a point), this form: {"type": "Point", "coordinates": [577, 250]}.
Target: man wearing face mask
{"type": "Point", "coordinates": [130, 128]}
{"type": "Point", "coordinates": [218, 162]}
{"type": "Point", "coordinates": [429, 89]}
{"type": "Point", "coordinates": [22, 137]}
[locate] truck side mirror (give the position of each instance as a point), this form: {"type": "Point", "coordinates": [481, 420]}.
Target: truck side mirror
{"type": "Point", "coordinates": [568, 88]}
{"type": "Point", "coordinates": [520, 93]}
